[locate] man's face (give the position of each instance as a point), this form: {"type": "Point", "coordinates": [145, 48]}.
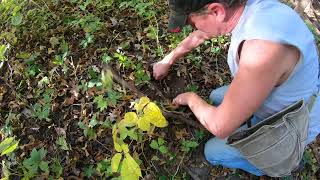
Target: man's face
{"type": "Point", "coordinates": [205, 22]}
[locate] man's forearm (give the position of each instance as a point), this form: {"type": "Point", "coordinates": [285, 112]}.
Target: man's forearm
{"type": "Point", "coordinates": [205, 113]}
{"type": "Point", "coordinates": [191, 42]}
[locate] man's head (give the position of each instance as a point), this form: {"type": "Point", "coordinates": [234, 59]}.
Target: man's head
{"type": "Point", "coordinates": [180, 10]}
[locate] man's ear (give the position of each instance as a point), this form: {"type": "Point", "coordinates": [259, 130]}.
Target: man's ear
{"type": "Point", "coordinates": [218, 10]}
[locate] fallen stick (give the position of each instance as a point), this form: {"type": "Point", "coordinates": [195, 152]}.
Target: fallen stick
{"type": "Point", "coordinates": [168, 114]}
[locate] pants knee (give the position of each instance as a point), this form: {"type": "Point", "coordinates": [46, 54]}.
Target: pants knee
{"type": "Point", "coordinates": [213, 150]}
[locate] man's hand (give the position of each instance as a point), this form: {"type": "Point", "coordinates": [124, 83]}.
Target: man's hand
{"type": "Point", "coordinates": [183, 99]}
{"type": "Point", "coordinates": [161, 69]}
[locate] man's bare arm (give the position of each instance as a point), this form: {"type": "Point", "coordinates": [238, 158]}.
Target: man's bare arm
{"type": "Point", "coordinates": [188, 44]}
{"type": "Point", "coordinates": [261, 66]}
{"type": "Point", "coordinates": [161, 68]}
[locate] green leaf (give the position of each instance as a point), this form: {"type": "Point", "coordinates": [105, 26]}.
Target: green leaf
{"type": "Point", "coordinates": [10, 148]}
{"type": "Point", "coordinates": [44, 166]}
{"type": "Point", "coordinates": [115, 161]}
{"type": "Point", "coordinates": [102, 103]}
{"type": "Point", "coordinates": [161, 141]}
{"type": "Point", "coordinates": [62, 143]}
{"type": "Point", "coordinates": [154, 144]}
{"type": "Point", "coordinates": [56, 167]}
{"type": "Point", "coordinates": [191, 144]}
{"type": "Point", "coordinates": [2, 52]}
{"type": "Point", "coordinates": [113, 97]}
{"type": "Point", "coordinates": [23, 55]}
{"type": "Point", "coordinates": [104, 168]}
{"type": "Point", "coordinates": [89, 171]}
{"type": "Point", "coordinates": [116, 140]}
{"type": "Point", "coordinates": [16, 19]}
{"type": "Point", "coordinates": [7, 143]}
{"type": "Point", "coordinates": [133, 134]}
{"type": "Point", "coordinates": [123, 132]}
{"type": "Point", "coordinates": [106, 58]}
{"type": "Point", "coordinates": [130, 170]}
{"type": "Point", "coordinates": [35, 159]}
{"type": "Point", "coordinates": [163, 149]}
{"type": "Point", "coordinates": [93, 122]}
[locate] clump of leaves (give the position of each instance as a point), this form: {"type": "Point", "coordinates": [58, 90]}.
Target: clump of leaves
{"type": "Point", "coordinates": [188, 145]}
{"type": "Point", "coordinates": [140, 74]}
{"type": "Point", "coordinates": [159, 145]}
{"type": "Point", "coordinates": [42, 109]}
{"type": "Point", "coordinates": [146, 117]}
{"type": "Point", "coordinates": [34, 163]}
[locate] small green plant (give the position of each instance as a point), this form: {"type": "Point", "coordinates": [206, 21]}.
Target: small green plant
{"type": "Point", "coordinates": [140, 74]}
{"type": "Point", "coordinates": [104, 168]}
{"type": "Point", "coordinates": [188, 145]}
{"type": "Point", "coordinates": [199, 134]}
{"type": "Point", "coordinates": [56, 167]}
{"type": "Point", "coordinates": [192, 88]}
{"type": "Point", "coordinates": [101, 102]}
{"type": "Point", "coordinates": [34, 163]}
{"type": "Point", "coordinates": [89, 171]}
{"type": "Point", "coordinates": [88, 131]}
{"type": "Point", "coordinates": [88, 40]}
{"type": "Point", "coordinates": [159, 145]}
{"type": "Point", "coordinates": [62, 143]}
{"type": "Point", "coordinates": [123, 60]}
{"type": "Point", "coordinates": [64, 51]}
{"type": "Point", "coordinates": [33, 68]}
{"type": "Point", "coordinates": [42, 109]}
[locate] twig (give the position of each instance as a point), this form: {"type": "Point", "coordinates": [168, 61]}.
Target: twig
{"type": "Point", "coordinates": [183, 118]}
{"type": "Point", "coordinates": [103, 146]}
{"type": "Point", "coordinates": [119, 80]}
{"type": "Point", "coordinates": [178, 166]}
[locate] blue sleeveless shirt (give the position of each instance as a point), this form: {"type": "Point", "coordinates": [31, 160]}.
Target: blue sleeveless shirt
{"type": "Point", "coordinates": [273, 21]}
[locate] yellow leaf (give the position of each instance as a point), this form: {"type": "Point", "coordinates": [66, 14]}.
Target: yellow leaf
{"type": "Point", "coordinates": [117, 146]}
{"type": "Point", "coordinates": [143, 101]}
{"type": "Point", "coordinates": [10, 149]}
{"type": "Point", "coordinates": [151, 108]}
{"type": "Point", "coordinates": [130, 169]}
{"type": "Point", "coordinates": [160, 121]}
{"type": "Point", "coordinates": [154, 115]}
{"type": "Point", "coordinates": [115, 161]}
{"type": "Point", "coordinates": [143, 123]}
{"type": "Point", "coordinates": [125, 148]}
{"type": "Point", "coordinates": [130, 119]}
{"type": "Point", "coordinates": [116, 140]}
